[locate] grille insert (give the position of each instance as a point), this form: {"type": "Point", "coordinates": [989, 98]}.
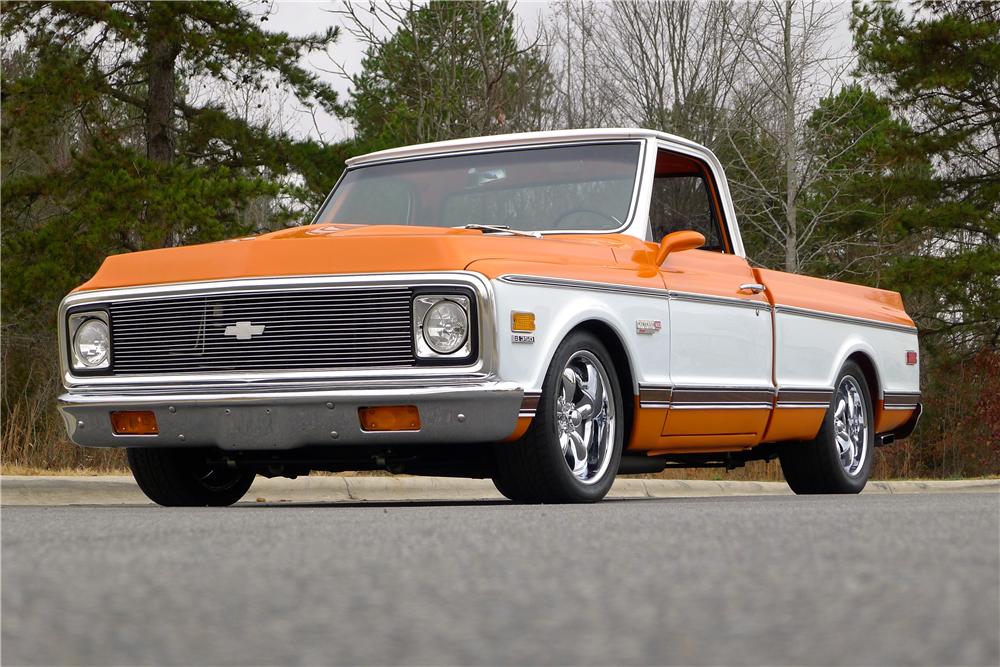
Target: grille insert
{"type": "Point", "coordinates": [315, 329]}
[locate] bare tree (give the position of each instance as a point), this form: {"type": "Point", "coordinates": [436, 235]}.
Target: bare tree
{"type": "Point", "coordinates": [444, 70]}
{"type": "Point", "coordinates": [582, 90]}
{"type": "Point", "coordinates": [659, 65]}
{"type": "Point", "coordinates": [786, 64]}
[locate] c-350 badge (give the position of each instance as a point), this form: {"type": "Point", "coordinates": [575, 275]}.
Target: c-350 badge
{"type": "Point", "coordinates": [647, 327]}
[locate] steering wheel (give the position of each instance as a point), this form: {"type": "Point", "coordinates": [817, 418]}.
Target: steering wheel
{"type": "Point", "coordinates": [557, 223]}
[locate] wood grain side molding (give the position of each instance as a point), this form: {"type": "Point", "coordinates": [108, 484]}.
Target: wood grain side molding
{"type": "Point", "coordinates": [529, 403]}
{"type": "Point", "coordinates": [790, 397]}
{"type": "Point", "coordinates": [901, 400]}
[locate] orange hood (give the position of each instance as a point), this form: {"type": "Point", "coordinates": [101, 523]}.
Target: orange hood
{"type": "Point", "coordinates": [345, 249]}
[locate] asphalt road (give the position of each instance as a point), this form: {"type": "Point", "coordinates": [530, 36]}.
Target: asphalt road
{"type": "Point", "coordinates": [874, 580]}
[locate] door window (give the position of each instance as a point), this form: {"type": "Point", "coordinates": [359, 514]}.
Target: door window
{"type": "Point", "coordinates": [680, 203]}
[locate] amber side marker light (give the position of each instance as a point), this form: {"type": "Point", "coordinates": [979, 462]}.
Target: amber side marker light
{"type": "Point", "coordinates": [390, 418]}
{"type": "Point", "coordinates": [134, 423]}
{"type": "Point", "coordinates": [522, 321]}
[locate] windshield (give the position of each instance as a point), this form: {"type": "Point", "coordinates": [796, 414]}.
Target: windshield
{"type": "Point", "coordinates": [566, 188]}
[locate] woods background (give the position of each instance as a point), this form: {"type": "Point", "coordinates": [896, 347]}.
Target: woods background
{"type": "Point", "coordinates": [873, 159]}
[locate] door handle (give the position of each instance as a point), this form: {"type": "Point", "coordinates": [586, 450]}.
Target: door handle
{"type": "Point", "coordinates": [751, 288]}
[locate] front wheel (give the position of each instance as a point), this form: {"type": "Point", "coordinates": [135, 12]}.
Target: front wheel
{"type": "Point", "coordinates": [839, 459]}
{"type": "Point", "coordinates": [186, 478]}
{"type": "Point", "coordinates": [571, 452]}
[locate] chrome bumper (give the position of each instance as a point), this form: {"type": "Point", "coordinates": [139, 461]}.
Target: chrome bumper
{"type": "Point", "coordinates": [482, 412]}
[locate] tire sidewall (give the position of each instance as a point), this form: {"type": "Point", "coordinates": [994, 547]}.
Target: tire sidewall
{"type": "Point", "coordinates": [829, 439]}
{"type": "Point", "coordinates": [545, 423]}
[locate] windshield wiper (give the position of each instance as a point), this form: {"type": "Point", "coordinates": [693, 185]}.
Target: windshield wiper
{"type": "Point", "coordinates": [502, 229]}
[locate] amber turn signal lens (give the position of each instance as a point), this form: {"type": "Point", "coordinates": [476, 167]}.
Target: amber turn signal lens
{"type": "Point", "coordinates": [134, 423]}
{"type": "Point", "coordinates": [390, 418]}
{"type": "Point", "coordinates": [522, 321]}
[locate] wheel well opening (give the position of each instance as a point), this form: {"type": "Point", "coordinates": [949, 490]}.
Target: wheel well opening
{"type": "Point", "coordinates": [623, 369]}
{"type": "Point", "coordinates": [871, 376]}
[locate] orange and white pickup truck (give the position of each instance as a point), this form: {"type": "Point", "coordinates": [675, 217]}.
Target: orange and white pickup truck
{"type": "Point", "coordinates": [547, 310]}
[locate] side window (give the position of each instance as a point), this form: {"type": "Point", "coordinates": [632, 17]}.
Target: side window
{"type": "Point", "coordinates": [682, 202]}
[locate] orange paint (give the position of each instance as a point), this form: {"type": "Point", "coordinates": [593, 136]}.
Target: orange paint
{"type": "Point", "coordinates": [887, 420]}
{"type": "Point", "coordinates": [647, 425]}
{"type": "Point", "coordinates": [711, 273]}
{"type": "Point", "coordinates": [340, 249]}
{"type": "Point", "coordinates": [789, 289]}
{"type": "Point", "coordinates": [794, 424]}
{"type": "Point", "coordinates": [746, 423]}
{"type": "Point", "coordinates": [523, 423]}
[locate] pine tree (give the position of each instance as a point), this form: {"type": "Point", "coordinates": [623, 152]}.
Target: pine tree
{"type": "Point", "coordinates": [116, 137]}
{"type": "Point", "coordinates": [940, 65]}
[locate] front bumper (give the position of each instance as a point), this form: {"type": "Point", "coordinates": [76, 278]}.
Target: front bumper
{"type": "Point", "coordinates": [286, 419]}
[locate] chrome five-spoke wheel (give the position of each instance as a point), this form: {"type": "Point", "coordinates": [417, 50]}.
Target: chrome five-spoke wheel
{"type": "Point", "coordinates": [839, 458]}
{"type": "Point", "coordinates": [572, 450]}
{"type": "Point", "coordinates": [585, 417]}
{"type": "Point", "coordinates": [850, 423]}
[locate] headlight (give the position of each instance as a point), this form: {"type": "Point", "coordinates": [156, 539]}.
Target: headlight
{"type": "Point", "coordinates": [91, 344]}
{"type": "Point", "coordinates": [446, 326]}
{"type": "Point", "coordinates": [442, 326]}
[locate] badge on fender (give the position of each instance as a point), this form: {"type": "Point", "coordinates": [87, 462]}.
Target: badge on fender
{"type": "Point", "coordinates": [522, 338]}
{"type": "Point", "coordinates": [647, 327]}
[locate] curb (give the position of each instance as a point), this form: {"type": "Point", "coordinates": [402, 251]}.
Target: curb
{"type": "Point", "coordinates": [122, 490]}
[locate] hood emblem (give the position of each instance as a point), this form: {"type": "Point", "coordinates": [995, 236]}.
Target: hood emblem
{"type": "Point", "coordinates": [244, 330]}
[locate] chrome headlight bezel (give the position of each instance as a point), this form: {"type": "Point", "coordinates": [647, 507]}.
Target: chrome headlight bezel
{"type": "Point", "coordinates": [425, 353]}
{"type": "Point", "coordinates": [75, 320]}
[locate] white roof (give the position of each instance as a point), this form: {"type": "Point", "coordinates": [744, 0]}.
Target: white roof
{"type": "Point", "coordinates": [502, 140]}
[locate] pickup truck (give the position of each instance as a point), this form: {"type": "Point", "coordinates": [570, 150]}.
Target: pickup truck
{"type": "Point", "coordinates": [547, 310]}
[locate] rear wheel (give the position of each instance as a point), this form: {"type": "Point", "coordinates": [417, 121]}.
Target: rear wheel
{"type": "Point", "coordinates": [571, 452]}
{"type": "Point", "coordinates": [839, 459]}
{"type": "Point", "coordinates": [186, 478]}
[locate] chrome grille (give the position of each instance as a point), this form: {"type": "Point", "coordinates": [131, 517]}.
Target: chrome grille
{"type": "Point", "coordinates": [314, 329]}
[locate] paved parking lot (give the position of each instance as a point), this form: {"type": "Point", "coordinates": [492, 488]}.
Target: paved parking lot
{"type": "Point", "coordinates": [879, 579]}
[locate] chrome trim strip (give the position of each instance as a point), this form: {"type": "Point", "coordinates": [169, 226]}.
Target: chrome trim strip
{"type": "Point", "coordinates": [721, 406]}
{"type": "Point", "coordinates": [803, 406]}
{"type": "Point", "coordinates": [804, 398]}
{"type": "Point", "coordinates": [722, 395]}
{"type": "Point", "coordinates": [706, 398]}
{"type": "Point", "coordinates": [655, 396]}
{"type": "Point", "coordinates": [720, 300]}
{"type": "Point", "coordinates": [484, 368]}
{"type": "Point", "coordinates": [529, 404]}
{"type": "Point", "coordinates": [848, 319]}
{"type": "Point", "coordinates": [900, 400]}
{"type": "Point", "coordinates": [634, 290]}
{"type": "Point", "coordinates": [519, 279]}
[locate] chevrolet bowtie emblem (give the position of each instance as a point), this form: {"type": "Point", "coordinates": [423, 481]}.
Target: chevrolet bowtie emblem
{"type": "Point", "coordinates": [244, 330]}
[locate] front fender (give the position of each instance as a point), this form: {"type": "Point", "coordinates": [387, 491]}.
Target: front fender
{"type": "Point", "coordinates": [559, 310]}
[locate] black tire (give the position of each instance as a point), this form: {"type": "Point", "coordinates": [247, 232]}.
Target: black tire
{"type": "Point", "coordinates": [534, 469]}
{"type": "Point", "coordinates": [184, 478]}
{"type": "Point", "coordinates": [816, 466]}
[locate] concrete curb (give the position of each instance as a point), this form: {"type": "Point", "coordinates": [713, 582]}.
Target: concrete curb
{"type": "Point", "coordinates": [122, 490]}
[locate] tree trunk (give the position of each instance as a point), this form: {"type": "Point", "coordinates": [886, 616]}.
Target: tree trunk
{"type": "Point", "coordinates": [161, 60]}
{"type": "Point", "coordinates": [791, 149]}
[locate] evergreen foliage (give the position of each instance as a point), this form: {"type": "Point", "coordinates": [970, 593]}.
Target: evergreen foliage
{"type": "Point", "coordinates": [115, 139]}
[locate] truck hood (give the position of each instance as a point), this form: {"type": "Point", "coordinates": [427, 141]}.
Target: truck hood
{"type": "Point", "coordinates": [345, 249]}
